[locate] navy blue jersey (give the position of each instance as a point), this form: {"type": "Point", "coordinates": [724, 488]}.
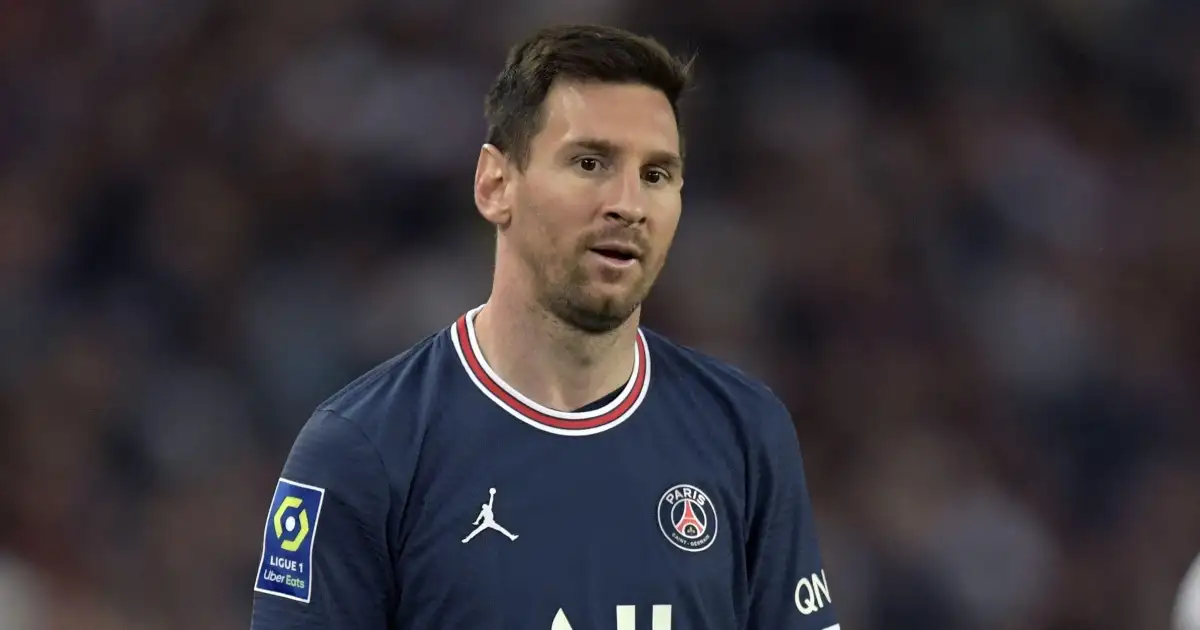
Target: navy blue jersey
{"type": "Point", "coordinates": [429, 494]}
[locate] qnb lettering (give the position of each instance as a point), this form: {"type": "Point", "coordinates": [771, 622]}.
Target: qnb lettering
{"type": "Point", "coordinates": [812, 593]}
{"type": "Point", "coordinates": [660, 618]}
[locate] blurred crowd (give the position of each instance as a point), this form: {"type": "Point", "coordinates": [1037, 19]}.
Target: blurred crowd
{"type": "Point", "coordinates": [961, 239]}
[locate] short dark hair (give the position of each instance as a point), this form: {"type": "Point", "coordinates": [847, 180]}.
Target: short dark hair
{"type": "Point", "coordinates": [604, 54]}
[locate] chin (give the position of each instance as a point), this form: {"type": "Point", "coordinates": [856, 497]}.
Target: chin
{"type": "Point", "coordinates": [596, 313]}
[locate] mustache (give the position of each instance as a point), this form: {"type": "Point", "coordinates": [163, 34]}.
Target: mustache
{"type": "Point", "coordinates": [632, 236]}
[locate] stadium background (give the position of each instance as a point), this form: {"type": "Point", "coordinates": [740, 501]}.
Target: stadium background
{"type": "Point", "coordinates": [961, 239]}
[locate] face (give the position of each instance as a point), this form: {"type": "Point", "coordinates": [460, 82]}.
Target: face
{"type": "Point", "coordinates": [593, 214]}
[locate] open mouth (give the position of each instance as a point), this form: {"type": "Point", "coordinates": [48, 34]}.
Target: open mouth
{"type": "Point", "coordinates": [618, 255]}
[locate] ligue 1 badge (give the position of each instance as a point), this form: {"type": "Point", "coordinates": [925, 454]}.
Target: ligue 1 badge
{"type": "Point", "coordinates": [687, 517]}
{"type": "Point", "coordinates": [286, 566]}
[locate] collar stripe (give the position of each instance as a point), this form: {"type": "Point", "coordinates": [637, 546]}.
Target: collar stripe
{"type": "Point", "coordinates": [528, 411]}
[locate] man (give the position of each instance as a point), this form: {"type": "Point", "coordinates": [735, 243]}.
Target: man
{"type": "Point", "coordinates": [643, 484]}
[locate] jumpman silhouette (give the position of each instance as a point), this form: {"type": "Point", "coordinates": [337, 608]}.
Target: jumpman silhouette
{"type": "Point", "coordinates": [486, 520]}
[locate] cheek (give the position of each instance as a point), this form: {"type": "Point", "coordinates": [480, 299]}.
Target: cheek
{"type": "Point", "coordinates": [665, 222]}
{"type": "Point", "coordinates": [546, 228]}
{"type": "Point", "coordinates": [563, 217]}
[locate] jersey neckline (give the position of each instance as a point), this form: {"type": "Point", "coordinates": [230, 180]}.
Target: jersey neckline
{"type": "Point", "coordinates": [569, 423]}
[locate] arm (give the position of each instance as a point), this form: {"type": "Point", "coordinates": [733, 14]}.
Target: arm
{"type": "Point", "coordinates": [788, 586]}
{"type": "Point", "coordinates": [325, 561]}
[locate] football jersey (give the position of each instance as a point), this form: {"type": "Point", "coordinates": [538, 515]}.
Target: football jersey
{"type": "Point", "coordinates": [431, 494]}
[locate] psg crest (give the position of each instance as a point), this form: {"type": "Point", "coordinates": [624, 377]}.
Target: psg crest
{"type": "Point", "coordinates": [687, 517]}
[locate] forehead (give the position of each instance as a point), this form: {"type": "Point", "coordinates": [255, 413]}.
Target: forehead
{"type": "Point", "coordinates": [631, 116]}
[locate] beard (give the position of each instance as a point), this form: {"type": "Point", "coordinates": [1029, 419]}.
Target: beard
{"type": "Point", "coordinates": [565, 287]}
{"type": "Point", "coordinates": [595, 314]}
{"type": "Point", "coordinates": [568, 296]}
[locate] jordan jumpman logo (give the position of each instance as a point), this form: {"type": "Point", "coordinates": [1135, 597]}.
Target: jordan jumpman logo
{"type": "Point", "coordinates": [486, 520]}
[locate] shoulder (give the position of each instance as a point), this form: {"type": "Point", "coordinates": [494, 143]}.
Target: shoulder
{"type": "Point", "coordinates": [750, 400]}
{"type": "Point", "coordinates": [396, 382]}
{"type": "Point", "coordinates": [391, 402]}
{"type": "Point", "coordinates": [374, 426]}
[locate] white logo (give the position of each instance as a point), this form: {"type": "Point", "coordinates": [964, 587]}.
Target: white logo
{"type": "Point", "coordinates": [626, 618]}
{"type": "Point", "coordinates": [687, 517]}
{"type": "Point", "coordinates": [812, 594]}
{"type": "Point", "coordinates": [486, 520]}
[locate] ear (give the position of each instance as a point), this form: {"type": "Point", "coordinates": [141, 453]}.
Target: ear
{"type": "Point", "coordinates": [492, 179]}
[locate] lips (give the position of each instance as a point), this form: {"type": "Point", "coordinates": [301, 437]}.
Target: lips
{"type": "Point", "coordinates": [623, 252]}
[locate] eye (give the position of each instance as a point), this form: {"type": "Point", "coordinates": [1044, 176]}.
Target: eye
{"type": "Point", "coordinates": [589, 164]}
{"type": "Point", "coordinates": [656, 176]}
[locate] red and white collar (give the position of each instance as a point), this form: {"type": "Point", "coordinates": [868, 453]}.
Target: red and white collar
{"type": "Point", "coordinates": [578, 423]}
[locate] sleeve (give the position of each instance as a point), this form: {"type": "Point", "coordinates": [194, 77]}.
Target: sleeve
{"type": "Point", "coordinates": [325, 560]}
{"type": "Point", "coordinates": [788, 586]}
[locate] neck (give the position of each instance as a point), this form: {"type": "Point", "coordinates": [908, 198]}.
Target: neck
{"type": "Point", "coordinates": [548, 361]}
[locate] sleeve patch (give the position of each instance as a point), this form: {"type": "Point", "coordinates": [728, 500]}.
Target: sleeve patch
{"type": "Point", "coordinates": [285, 569]}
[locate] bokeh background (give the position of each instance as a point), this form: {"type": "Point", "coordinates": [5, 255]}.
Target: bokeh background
{"type": "Point", "coordinates": [962, 239]}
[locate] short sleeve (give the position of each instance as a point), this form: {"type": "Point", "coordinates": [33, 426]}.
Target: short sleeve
{"type": "Point", "coordinates": [326, 560]}
{"type": "Point", "coordinates": [789, 589]}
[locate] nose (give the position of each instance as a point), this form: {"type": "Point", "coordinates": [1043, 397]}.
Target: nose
{"type": "Point", "coordinates": [627, 201]}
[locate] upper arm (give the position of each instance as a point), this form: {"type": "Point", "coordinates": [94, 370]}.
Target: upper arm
{"type": "Point", "coordinates": [326, 553]}
{"type": "Point", "coordinates": [789, 589]}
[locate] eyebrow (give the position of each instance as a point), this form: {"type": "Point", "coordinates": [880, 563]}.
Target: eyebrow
{"type": "Point", "coordinates": [666, 159]}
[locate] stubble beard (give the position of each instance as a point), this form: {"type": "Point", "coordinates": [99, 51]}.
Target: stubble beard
{"type": "Point", "coordinates": [568, 299]}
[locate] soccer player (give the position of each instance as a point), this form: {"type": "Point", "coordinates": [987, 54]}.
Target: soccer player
{"type": "Point", "coordinates": [627, 482]}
